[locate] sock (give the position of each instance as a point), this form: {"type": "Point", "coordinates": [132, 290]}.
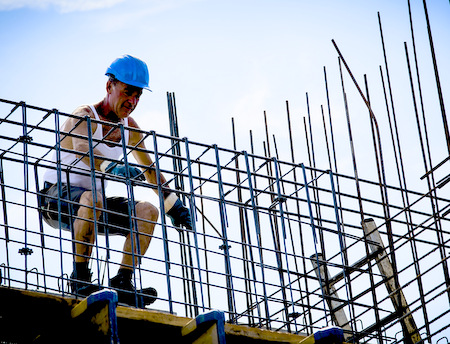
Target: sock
{"type": "Point", "coordinates": [82, 271]}
{"type": "Point", "coordinates": [126, 274]}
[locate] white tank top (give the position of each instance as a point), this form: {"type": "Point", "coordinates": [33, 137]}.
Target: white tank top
{"type": "Point", "coordinates": [70, 162]}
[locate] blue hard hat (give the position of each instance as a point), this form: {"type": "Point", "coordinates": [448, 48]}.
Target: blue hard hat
{"type": "Point", "coordinates": [130, 70]}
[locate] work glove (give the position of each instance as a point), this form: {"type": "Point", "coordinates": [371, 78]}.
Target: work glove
{"type": "Point", "coordinates": [177, 212]}
{"type": "Point", "coordinates": [120, 169]}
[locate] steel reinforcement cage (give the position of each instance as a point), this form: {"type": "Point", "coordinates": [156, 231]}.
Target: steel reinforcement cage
{"type": "Point", "coordinates": [276, 245]}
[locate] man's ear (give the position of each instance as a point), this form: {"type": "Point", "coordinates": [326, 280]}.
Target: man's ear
{"type": "Point", "coordinates": [109, 86]}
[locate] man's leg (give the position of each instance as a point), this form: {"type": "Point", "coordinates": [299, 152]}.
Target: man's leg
{"type": "Point", "coordinates": [84, 235]}
{"type": "Point", "coordinates": [148, 215]}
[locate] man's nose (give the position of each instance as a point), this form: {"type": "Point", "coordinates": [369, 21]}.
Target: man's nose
{"type": "Point", "coordinates": [133, 100]}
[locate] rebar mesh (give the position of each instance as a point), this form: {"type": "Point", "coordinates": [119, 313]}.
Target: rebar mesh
{"type": "Point", "coordinates": [262, 228]}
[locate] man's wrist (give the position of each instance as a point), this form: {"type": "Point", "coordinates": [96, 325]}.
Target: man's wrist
{"type": "Point", "coordinates": [104, 165]}
{"type": "Point", "coordinates": [169, 201]}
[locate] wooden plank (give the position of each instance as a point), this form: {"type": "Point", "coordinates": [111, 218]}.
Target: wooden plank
{"type": "Point", "coordinates": [242, 332]}
{"type": "Point", "coordinates": [49, 316]}
{"type": "Point", "coordinates": [232, 331]}
{"type": "Point", "coordinates": [337, 311]}
{"type": "Point", "coordinates": [152, 316]}
{"type": "Point", "coordinates": [30, 316]}
{"type": "Point", "coordinates": [395, 292]}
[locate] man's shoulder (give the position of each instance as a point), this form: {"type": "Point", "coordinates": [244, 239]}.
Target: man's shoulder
{"type": "Point", "coordinates": [132, 123]}
{"type": "Point", "coordinates": [82, 111]}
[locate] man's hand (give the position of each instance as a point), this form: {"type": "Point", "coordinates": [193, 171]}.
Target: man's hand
{"type": "Point", "coordinates": [177, 212]}
{"type": "Point", "coordinates": [121, 170]}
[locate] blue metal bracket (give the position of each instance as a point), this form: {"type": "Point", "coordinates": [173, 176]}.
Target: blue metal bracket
{"type": "Point", "coordinates": [102, 296]}
{"type": "Point", "coordinates": [326, 335]}
{"type": "Point", "coordinates": [203, 322]}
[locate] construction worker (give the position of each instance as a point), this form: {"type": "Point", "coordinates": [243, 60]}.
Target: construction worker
{"type": "Point", "coordinates": [128, 76]}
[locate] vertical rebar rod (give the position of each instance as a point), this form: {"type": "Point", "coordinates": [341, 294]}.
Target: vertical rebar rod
{"type": "Point", "coordinates": [313, 171]}
{"type": "Point", "coordinates": [5, 218]}
{"type": "Point", "coordinates": [41, 225]}
{"type": "Point", "coordinates": [59, 186]}
{"type": "Point", "coordinates": [272, 215]}
{"type": "Point", "coordinates": [445, 123]}
{"type": "Point", "coordinates": [314, 185]}
{"type": "Point", "coordinates": [436, 75]}
{"type": "Point", "coordinates": [276, 238]}
{"type": "Point", "coordinates": [413, 241]}
{"type": "Point", "coordinates": [192, 208]}
{"type": "Point", "coordinates": [313, 229]}
{"type": "Point", "coordinates": [244, 247]}
{"type": "Point", "coordinates": [281, 199]}
{"type": "Point", "coordinates": [134, 229]}
{"type": "Point", "coordinates": [253, 184]}
{"type": "Point", "coordinates": [105, 221]}
{"type": "Point", "coordinates": [341, 58]}
{"type": "Point", "coordinates": [268, 155]}
{"type": "Point", "coordinates": [277, 250]}
{"type": "Point", "coordinates": [428, 164]}
{"type": "Point", "coordinates": [330, 121]}
{"type": "Point", "coordinates": [327, 145]}
{"type": "Point", "coordinates": [343, 250]}
{"type": "Point", "coordinates": [253, 277]}
{"type": "Point", "coordinates": [313, 154]}
{"type": "Point", "coordinates": [344, 253]}
{"type": "Point", "coordinates": [297, 203]}
{"type": "Point", "coordinates": [430, 177]}
{"type": "Point", "coordinates": [401, 172]}
{"type": "Point", "coordinates": [204, 234]}
{"type": "Point", "coordinates": [94, 192]}
{"type": "Point", "coordinates": [376, 140]}
{"type": "Point", "coordinates": [25, 139]}
{"type": "Point", "coordinates": [185, 249]}
{"type": "Point", "coordinates": [163, 221]}
{"type": "Point", "coordinates": [396, 137]}
{"type": "Point", "coordinates": [226, 254]}
{"type": "Point", "coordinates": [419, 86]}
{"type": "Point", "coordinates": [350, 137]}
{"type": "Point", "coordinates": [333, 146]}
{"type": "Point", "coordinates": [258, 235]}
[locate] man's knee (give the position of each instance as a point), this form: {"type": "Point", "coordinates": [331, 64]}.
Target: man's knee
{"type": "Point", "coordinates": [87, 201]}
{"type": "Point", "coordinates": [147, 211]}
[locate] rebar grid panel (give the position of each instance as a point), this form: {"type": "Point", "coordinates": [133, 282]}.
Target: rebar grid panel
{"type": "Point", "coordinates": [261, 228]}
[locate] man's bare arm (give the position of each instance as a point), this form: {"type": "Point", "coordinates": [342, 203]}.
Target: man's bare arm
{"type": "Point", "coordinates": [75, 136]}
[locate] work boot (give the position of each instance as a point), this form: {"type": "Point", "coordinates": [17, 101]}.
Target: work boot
{"type": "Point", "coordinates": [126, 292]}
{"type": "Point", "coordinates": [80, 283]}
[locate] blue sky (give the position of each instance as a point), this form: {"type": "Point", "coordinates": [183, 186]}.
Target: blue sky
{"type": "Point", "coordinates": [236, 58]}
{"type": "Point", "coordinates": [224, 59]}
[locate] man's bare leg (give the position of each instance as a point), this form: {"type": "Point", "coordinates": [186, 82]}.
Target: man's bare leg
{"type": "Point", "coordinates": [149, 215]}
{"type": "Point", "coordinates": [84, 235]}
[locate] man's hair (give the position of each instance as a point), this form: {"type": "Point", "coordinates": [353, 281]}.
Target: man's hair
{"type": "Point", "coordinates": [114, 81]}
{"type": "Point", "coordinates": [112, 78]}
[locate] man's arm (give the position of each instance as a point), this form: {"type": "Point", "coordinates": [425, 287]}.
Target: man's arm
{"type": "Point", "coordinates": [173, 206]}
{"type": "Point", "coordinates": [75, 136]}
{"type": "Point", "coordinates": [143, 158]}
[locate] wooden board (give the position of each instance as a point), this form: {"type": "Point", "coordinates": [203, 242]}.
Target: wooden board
{"type": "Point", "coordinates": [46, 318]}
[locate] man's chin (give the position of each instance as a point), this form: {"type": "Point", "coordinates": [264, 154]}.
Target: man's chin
{"type": "Point", "coordinates": [126, 112]}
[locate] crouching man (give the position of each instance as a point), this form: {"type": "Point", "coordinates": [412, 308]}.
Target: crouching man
{"type": "Point", "coordinates": [127, 77]}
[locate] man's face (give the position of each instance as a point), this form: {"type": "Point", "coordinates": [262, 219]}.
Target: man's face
{"type": "Point", "coordinates": [123, 98]}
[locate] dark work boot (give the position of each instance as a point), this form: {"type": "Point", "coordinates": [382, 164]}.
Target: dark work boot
{"type": "Point", "coordinates": [80, 281]}
{"type": "Point", "coordinates": [126, 291]}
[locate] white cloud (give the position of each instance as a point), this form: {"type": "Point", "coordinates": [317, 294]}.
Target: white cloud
{"type": "Point", "coordinates": [63, 6]}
